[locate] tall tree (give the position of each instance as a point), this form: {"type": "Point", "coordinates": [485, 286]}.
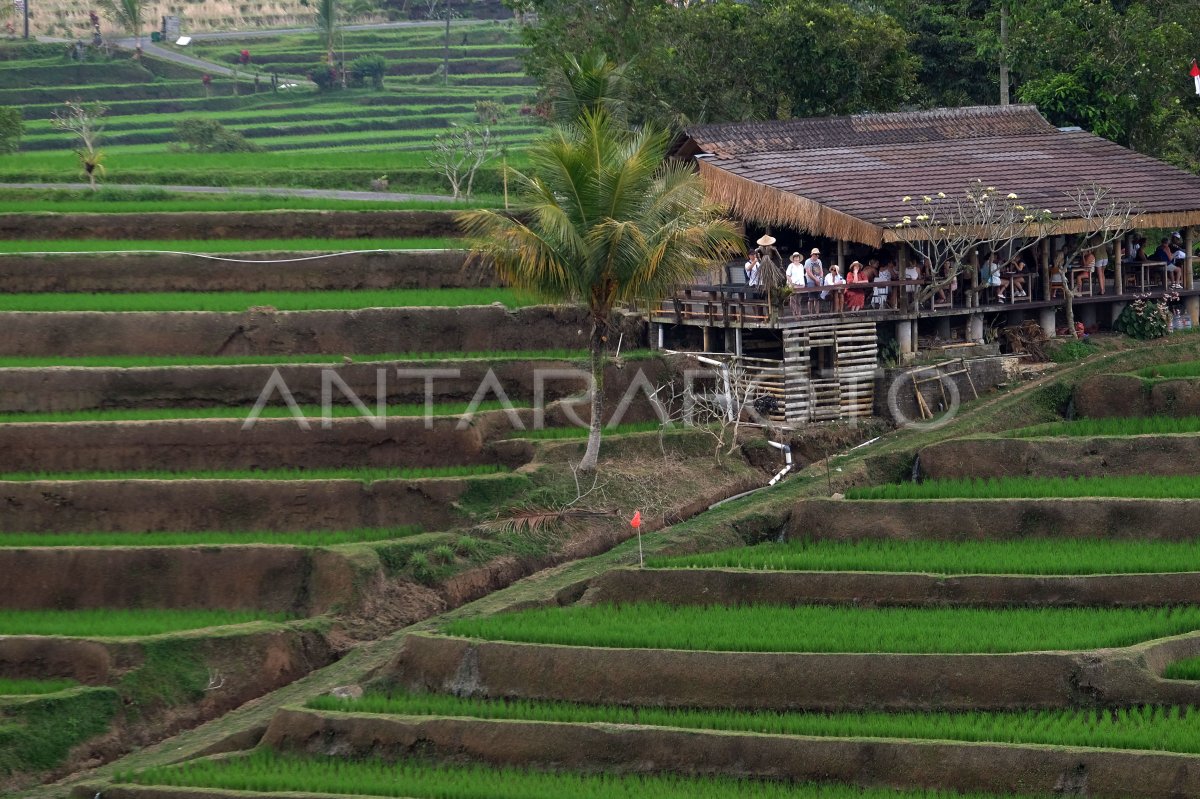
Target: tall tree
{"type": "Point", "coordinates": [587, 84]}
{"type": "Point", "coordinates": [602, 219]}
{"type": "Point", "coordinates": [328, 26]}
{"type": "Point", "coordinates": [128, 14]}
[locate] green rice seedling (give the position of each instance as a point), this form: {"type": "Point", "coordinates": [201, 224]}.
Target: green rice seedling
{"type": "Point", "coordinates": [1046, 556]}
{"type": "Point", "coordinates": [1137, 486]}
{"type": "Point", "coordinates": [813, 628]}
{"type": "Point", "coordinates": [310, 412]}
{"type": "Point", "coordinates": [1187, 669]}
{"type": "Point", "coordinates": [558, 433]}
{"type": "Point", "coordinates": [123, 622]}
{"type": "Point", "coordinates": [1170, 371]}
{"type": "Point", "coordinates": [1115, 426]}
{"type": "Point", "coordinates": [147, 361]}
{"type": "Point", "coordinates": [223, 246]}
{"type": "Point", "coordinates": [29, 201]}
{"type": "Point", "coordinates": [365, 474]}
{"type": "Point", "coordinates": [310, 538]}
{"type": "Point", "coordinates": [266, 771]}
{"type": "Point", "coordinates": [1164, 729]}
{"type": "Point", "coordinates": [14, 687]}
{"type": "Point", "coordinates": [239, 302]}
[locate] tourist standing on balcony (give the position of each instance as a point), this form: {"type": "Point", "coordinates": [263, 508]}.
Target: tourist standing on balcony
{"type": "Point", "coordinates": [814, 276]}
{"type": "Point", "coordinates": [854, 296]}
{"type": "Point", "coordinates": [753, 270]}
{"type": "Point", "coordinates": [795, 280]}
{"type": "Point", "coordinates": [834, 278]}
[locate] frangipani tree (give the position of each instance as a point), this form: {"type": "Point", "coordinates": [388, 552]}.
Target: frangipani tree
{"type": "Point", "coordinates": [948, 227]}
{"type": "Point", "coordinates": [602, 219]}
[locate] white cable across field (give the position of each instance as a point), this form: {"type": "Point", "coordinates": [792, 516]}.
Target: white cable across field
{"type": "Point", "coordinates": [211, 256]}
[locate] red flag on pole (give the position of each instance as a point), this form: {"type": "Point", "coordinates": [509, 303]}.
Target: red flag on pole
{"type": "Point", "coordinates": [636, 521]}
{"type": "Point", "coordinates": [1195, 73]}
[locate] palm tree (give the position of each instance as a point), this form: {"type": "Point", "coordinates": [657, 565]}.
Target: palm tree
{"type": "Point", "coordinates": [588, 83]}
{"type": "Point", "coordinates": [602, 219]}
{"type": "Point", "coordinates": [328, 27]}
{"type": "Point", "coordinates": [127, 14]}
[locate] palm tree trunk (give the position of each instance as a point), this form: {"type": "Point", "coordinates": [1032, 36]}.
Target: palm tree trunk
{"type": "Point", "coordinates": [591, 456]}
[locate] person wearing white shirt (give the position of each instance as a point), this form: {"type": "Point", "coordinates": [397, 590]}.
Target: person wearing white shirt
{"type": "Point", "coordinates": [795, 279]}
{"type": "Point", "coordinates": [834, 278]}
{"type": "Point", "coordinates": [814, 275]}
{"type": "Point", "coordinates": [753, 270]}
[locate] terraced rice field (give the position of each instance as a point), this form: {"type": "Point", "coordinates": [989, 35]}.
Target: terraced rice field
{"type": "Point", "coordinates": [126, 622]}
{"type": "Point", "coordinates": [267, 772]}
{"type": "Point", "coordinates": [1164, 729]}
{"type": "Point", "coordinates": [113, 199]}
{"type": "Point", "coordinates": [222, 246]}
{"type": "Point", "coordinates": [336, 139]}
{"type": "Point", "coordinates": [146, 361]}
{"type": "Point", "coordinates": [268, 412]}
{"type": "Point", "coordinates": [11, 687]}
{"type": "Point", "coordinates": [1170, 371]}
{"type": "Point", "coordinates": [365, 475]}
{"type": "Point", "coordinates": [314, 538]}
{"type": "Point", "coordinates": [236, 301]}
{"type": "Point", "coordinates": [769, 628]}
{"type": "Point", "coordinates": [1116, 426]}
{"type": "Point", "coordinates": [1168, 487]}
{"type": "Point", "coordinates": [1045, 556]}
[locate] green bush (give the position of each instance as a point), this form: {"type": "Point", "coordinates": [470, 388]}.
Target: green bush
{"type": "Point", "coordinates": [1144, 319]}
{"type": "Point", "coordinates": [11, 128]}
{"type": "Point", "coordinates": [210, 136]}
{"type": "Point", "coordinates": [324, 76]}
{"type": "Point", "coordinates": [368, 68]}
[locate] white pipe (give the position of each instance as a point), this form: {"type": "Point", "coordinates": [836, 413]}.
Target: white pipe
{"type": "Point", "coordinates": [725, 379]}
{"type": "Point", "coordinates": [787, 458]}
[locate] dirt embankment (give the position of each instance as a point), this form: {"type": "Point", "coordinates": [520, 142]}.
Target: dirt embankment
{"type": "Point", "coordinates": [200, 225]}
{"type": "Point", "coordinates": [297, 581]}
{"type": "Point", "coordinates": [1058, 457]}
{"type": "Point", "coordinates": [364, 331]}
{"type": "Point", "coordinates": [733, 587]}
{"type": "Point", "coordinates": [1105, 396]}
{"type": "Point", "coordinates": [412, 269]}
{"type": "Point", "coordinates": [957, 519]}
{"type": "Point", "coordinates": [189, 444]}
{"type": "Point", "coordinates": [147, 505]}
{"type": "Point", "coordinates": [397, 382]}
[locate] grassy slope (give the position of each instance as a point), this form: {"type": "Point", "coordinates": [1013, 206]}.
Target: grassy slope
{"type": "Point", "coordinates": [365, 474]}
{"type": "Point", "coordinates": [111, 623]}
{"type": "Point", "coordinates": [1166, 487]}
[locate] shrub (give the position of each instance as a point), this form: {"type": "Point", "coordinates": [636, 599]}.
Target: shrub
{"type": "Point", "coordinates": [210, 136]}
{"type": "Point", "coordinates": [11, 128]}
{"type": "Point", "coordinates": [368, 68]}
{"type": "Point", "coordinates": [488, 112]}
{"type": "Point", "coordinates": [324, 76]}
{"type": "Point", "coordinates": [1145, 319]}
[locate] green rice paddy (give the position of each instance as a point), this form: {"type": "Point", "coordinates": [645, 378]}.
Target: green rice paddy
{"type": "Point", "coordinates": [238, 301]}
{"type": "Point", "coordinates": [312, 538]}
{"type": "Point", "coordinates": [365, 474]}
{"type": "Point", "coordinates": [1138, 486]}
{"type": "Point", "coordinates": [812, 628]}
{"type": "Point", "coordinates": [12, 687]}
{"type": "Point", "coordinates": [222, 246]}
{"type": "Point", "coordinates": [1165, 729]}
{"type": "Point", "coordinates": [1168, 371]}
{"type": "Point", "coordinates": [311, 412]}
{"type": "Point", "coordinates": [1187, 669]}
{"type": "Point", "coordinates": [560, 433]}
{"type": "Point", "coordinates": [1039, 556]}
{"type": "Point", "coordinates": [116, 200]}
{"type": "Point", "coordinates": [265, 771]}
{"type": "Point", "coordinates": [1117, 426]}
{"type": "Point", "coordinates": [118, 623]}
{"type": "Point", "coordinates": [151, 361]}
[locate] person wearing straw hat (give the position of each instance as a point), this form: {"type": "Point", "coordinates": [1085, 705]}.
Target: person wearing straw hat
{"type": "Point", "coordinates": [814, 275]}
{"type": "Point", "coordinates": [770, 262]}
{"type": "Point", "coordinates": [795, 279]}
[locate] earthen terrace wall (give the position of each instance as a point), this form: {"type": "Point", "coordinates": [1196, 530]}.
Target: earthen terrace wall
{"type": "Point", "coordinates": [1105, 396]}
{"type": "Point", "coordinates": [736, 586]}
{"type": "Point", "coordinates": [368, 330]}
{"type": "Point", "coordinates": [1059, 457]}
{"type": "Point", "coordinates": [100, 272]}
{"type": "Point", "coordinates": [998, 519]}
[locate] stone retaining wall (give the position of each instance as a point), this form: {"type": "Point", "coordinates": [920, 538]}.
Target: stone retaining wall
{"type": "Point", "coordinates": [1129, 395]}
{"type": "Point", "coordinates": [741, 587]}
{"type": "Point", "coordinates": [411, 269]}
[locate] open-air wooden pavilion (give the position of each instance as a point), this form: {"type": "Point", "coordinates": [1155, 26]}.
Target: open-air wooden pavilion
{"type": "Point", "coordinates": [839, 182]}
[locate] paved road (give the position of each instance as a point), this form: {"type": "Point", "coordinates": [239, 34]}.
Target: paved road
{"type": "Point", "coordinates": [278, 191]}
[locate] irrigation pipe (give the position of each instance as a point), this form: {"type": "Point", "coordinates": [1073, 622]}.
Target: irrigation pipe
{"type": "Point", "coordinates": [211, 257]}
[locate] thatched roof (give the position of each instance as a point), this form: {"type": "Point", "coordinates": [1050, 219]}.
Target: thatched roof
{"type": "Point", "coordinates": [841, 177]}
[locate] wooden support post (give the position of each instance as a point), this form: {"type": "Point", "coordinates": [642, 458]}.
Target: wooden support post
{"type": "Point", "coordinates": [841, 257]}
{"type": "Point", "coordinates": [974, 267]}
{"type": "Point", "coordinates": [737, 342]}
{"type": "Point", "coordinates": [1046, 270]}
{"type": "Point", "coordinates": [707, 338]}
{"type": "Point", "coordinates": [1118, 270]}
{"type": "Point", "coordinates": [1193, 302]}
{"type": "Point", "coordinates": [901, 265]}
